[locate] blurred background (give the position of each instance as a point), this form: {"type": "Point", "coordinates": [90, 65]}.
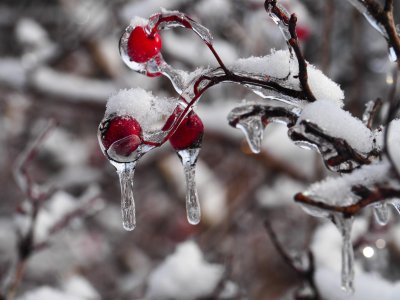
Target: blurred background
{"type": "Point", "coordinates": [59, 60]}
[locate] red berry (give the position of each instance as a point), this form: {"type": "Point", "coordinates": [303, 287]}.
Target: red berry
{"type": "Point", "coordinates": [118, 128]}
{"type": "Point", "coordinates": [189, 132]}
{"type": "Point", "coordinates": [303, 32]}
{"type": "Point", "coordinates": [141, 46]}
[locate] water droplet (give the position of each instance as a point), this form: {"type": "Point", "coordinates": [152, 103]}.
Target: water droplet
{"type": "Point", "coordinates": [189, 159]}
{"type": "Point", "coordinates": [381, 213]}
{"type": "Point", "coordinates": [252, 128]}
{"type": "Point", "coordinates": [125, 173]}
{"type": "Point", "coordinates": [344, 226]}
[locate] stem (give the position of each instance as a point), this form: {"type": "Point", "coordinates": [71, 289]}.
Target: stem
{"type": "Point", "coordinates": [18, 275]}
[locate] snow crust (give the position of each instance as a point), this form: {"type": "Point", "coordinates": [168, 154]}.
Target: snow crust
{"type": "Point", "coordinates": [337, 190]}
{"type": "Point", "coordinates": [139, 21]}
{"type": "Point", "coordinates": [338, 123]}
{"type": "Point", "coordinates": [184, 275]}
{"type": "Point", "coordinates": [150, 111]}
{"type": "Point", "coordinates": [280, 64]}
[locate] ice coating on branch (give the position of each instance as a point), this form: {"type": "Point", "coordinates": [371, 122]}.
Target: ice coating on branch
{"type": "Point", "coordinates": [337, 190]}
{"type": "Point", "coordinates": [150, 111]}
{"type": "Point", "coordinates": [338, 123]}
{"type": "Point", "coordinates": [280, 64]}
{"type": "Point", "coordinates": [184, 275]}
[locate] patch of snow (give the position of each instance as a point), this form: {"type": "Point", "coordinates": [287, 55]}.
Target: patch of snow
{"type": "Point", "coordinates": [337, 190]}
{"type": "Point", "coordinates": [280, 193]}
{"type": "Point", "coordinates": [279, 64]}
{"type": "Point", "coordinates": [139, 21]}
{"type": "Point", "coordinates": [48, 293]}
{"type": "Point", "coordinates": [79, 286]}
{"type": "Point", "coordinates": [339, 123]}
{"type": "Point", "coordinates": [150, 111]}
{"type": "Point", "coordinates": [71, 86]}
{"type": "Point", "coordinates": [184, 275]}
{"type": "Point", "coordinates": [368, 286]}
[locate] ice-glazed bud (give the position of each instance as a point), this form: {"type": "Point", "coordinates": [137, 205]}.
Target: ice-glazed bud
{"type": "Point", "coordinates": [189, 133]}
{"type": "Point", "coordinates": [123, 133]}
{"type": "Point", "coordinates": [143, 46]}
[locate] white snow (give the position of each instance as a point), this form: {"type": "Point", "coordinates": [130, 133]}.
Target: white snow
{"type": "Point", "coordinates": [66, 85]}
{"type": "Point", "coordinates": [150, 111]}
{"type": "Point", "coordinates": [184, 275]}
{"type": "Point", "coordinates": [12, 72]}
{"type": "Point", "coordinates": [394, 141]}
{"type": "Point", "coordinates": [279, 64]}
{"type": "Point", "coordinates": [139, 21]}
{"type": "Point", "coordinates": [145, 8]}
{"type": "Point", "coordinates": [280, 193]}
{"type": "Point", "coordinates": [368, 286]}
{"type": "Point", "coordinates": [67, 148]}
{"type": "Point", "coordinates": [337, 190]}
{"type": "Point", "coordinates": [213, 9]}
{"type": "Point", "coordinates": [78, 286]}
{"type": "Point", "coordinates": [48, 293]}
{"type": "Point", "coordinates": [57, 207]}
{"type": "Point", "coordinates": [30, 32]}
{"type": "Point", "coordinates": [338, 123]}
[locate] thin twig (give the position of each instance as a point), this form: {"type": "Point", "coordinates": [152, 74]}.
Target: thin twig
{"type": "Point", "coordinates": [380, 193]}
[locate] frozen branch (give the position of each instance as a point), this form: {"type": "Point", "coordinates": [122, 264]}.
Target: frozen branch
{"type": "Point", "coordinates": [382, 19]}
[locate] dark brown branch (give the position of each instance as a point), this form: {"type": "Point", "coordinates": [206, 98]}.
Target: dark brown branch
{"type": "Point", "coordinates": [384, 17]}
{"type": "Point", "coordinates": [337, 153]}
{"type": "Point", "coordinates": [370, 112]}
{"type": "Point", "coordinates": [303, 74]}
{"type": "Point", "coordinates": [307, 274]}
{"type": "Point", "coordinates": [367, 197]}
{"type": "Point", "coordinates": [290, 23]}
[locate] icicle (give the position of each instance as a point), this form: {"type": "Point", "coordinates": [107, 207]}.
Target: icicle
{"type": "Point", "coordinates": [252, 128]}
{"type": "Point", "coordinates": [381, 213]}
{"type": "Point", "coordinates": [125, 173]}
{"type": "Point", "coordinates": [189, 159]}
{"type": "Point", "coordinates": [344, 226]}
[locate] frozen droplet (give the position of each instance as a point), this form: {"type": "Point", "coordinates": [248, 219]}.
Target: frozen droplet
{"type": "Point", "coordinates": [277, 19]}
{"type": "Point", "coordinates": [381, 213]}
{"type": "Point", "coordinates": [344, 225]}
{"type": "Point", "coordinates": [252, 128]}
{"type": "Point", "coordinates": [125, 173]}
{"type": "Point", "coordinates": [189, 159]}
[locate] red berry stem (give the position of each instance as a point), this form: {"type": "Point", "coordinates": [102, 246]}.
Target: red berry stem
{"type": "Point", "coordinates": [186, 23]}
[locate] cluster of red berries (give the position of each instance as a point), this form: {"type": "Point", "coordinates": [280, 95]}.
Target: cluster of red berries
{"type": "Point", "coordinates": [141, 48]}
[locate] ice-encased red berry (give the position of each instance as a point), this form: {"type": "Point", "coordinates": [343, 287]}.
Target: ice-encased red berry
{"type": "Point", "coordinates": [142, 46]}
{"type": "Point", "coordinates": [189, 132]}
{"type": "Point", "coordinates": [119, 128]}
